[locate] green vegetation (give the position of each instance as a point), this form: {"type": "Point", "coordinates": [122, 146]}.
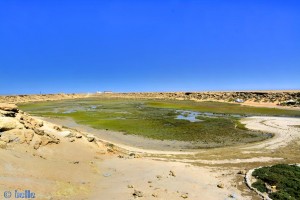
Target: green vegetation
{"type": "Point", "coordinates": [157, 119]}
{"type": "Point", "coordinates": [219, 107]}
{"type": "Point", "coordinates": [285, 178]}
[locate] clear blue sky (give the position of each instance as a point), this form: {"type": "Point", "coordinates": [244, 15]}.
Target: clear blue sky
{"type": "Point", "coordinates": [52, 46]}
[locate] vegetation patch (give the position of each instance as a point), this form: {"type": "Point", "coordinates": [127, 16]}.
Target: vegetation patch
{"type": "Point", "coordinates": [158, 119]}
{"type": "Point", "coordinates": [281, 182]}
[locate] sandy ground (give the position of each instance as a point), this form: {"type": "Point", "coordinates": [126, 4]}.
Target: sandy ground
{"type": "Point", "coordinates": [284, 129]}
{"type": "Point", "coordinates": [91, 170]}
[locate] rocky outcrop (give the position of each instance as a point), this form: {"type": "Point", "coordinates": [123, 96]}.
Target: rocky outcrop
{"type": "Point", "coordinates": [33, 98]}
{"type": "Point", "coordinates": [17, 127]}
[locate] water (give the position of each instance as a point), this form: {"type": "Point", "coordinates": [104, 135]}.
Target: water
{"type": "Point", "coordinates": [192, 115]}
{"type": "Point", "coordinates": [188, 115]}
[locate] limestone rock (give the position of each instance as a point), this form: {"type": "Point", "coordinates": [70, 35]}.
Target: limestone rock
{"type": "Point", "coordinates": [8, 107]}
{"type": "Point", "coordinates": [66, 134]}
{"type": "Point", "coordinates": [39, 131]}
{"type": "Point", "coordinates": [49, 139]}
{"type": "Point", "coordinates": [4, 113]}
{"type": "Point", "coordinates": [37, 144]}
{"type": "Point", "coordinates": [8, 123]}
{"type": "Point", "coordinates": [15, 135]}
{"type": "Point", "coordinates": [2, 144]}
{"type": "Point", "coordinates": [28, 134]}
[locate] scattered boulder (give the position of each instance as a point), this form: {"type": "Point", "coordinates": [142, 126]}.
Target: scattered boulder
{"type": "Point", "coordinates": [66, 134]}
{"type": "Point", "coordinates": [159, 176]}
{"type": "Point", "coordinates": [71, 139]}
{"type": "Point", "coordinates": [172, 173]}
{"type": "Point", "coordinates": [184, 196]}
{"type": "Point", "coordinates": [57, 128]}
{"type": "Point", "coordinates": [220, 185]}
{"type": "Point", "coordinates": [78, 136]}
{"type": "Point", "coordinates": [132, 154]}
{"type": "Point", "coordinates": [130, 186]}
{"type": "Point", "coordinates": [90, 138]}
{"type": "Point", "coordinates": [154, 195]}
{"type": "Point", "coordinates": [137, 193]}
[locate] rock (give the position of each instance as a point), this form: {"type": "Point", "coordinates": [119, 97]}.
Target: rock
{"type": "Point", "coordinates": [57, 128]}
{"type": "Point", "coordinates": [78, 136]}
{"type": "Point", "coordinates": [154, 195]}
{"type": "Point", "coordinates": [9, 123]}
{"type": "Point", "coordinates": [120, 156]}
{"type": "Point", "coordinates": [66, 134]}
{"type": "Point", "coordinates": [90, 138]}
{"type": "Point", "coordinates": [28, 134]}
{"type": "Point", "coordinates": [149, 181]}
{"type": "Point", "coordinates": [185, 196]}
{"type": "Point", "coordinates": [4, 113]}
{"type": "Point", "coordinates": [242, 172]}
{"type": "Point", "coordinates": [172, 173]}
{"type": "Point", "coordinates": [130, 186]}
{"type": "Point", "coordinates": [3, 144]}
{"type": "Point", "coordinates": [71, 139]}
{"type": "Point", "coordinates": [132, 154]}
{"type": "Point", "coordinates": [37, 144]}
{"type": "Point", "coordinates": [15, 135]}
{"type": "Point", "coordinates": [48, 140]}
{"type": "Point", "coordinates": [8, 107]}
{"type": "Point", "coordinates": [220, 185]}
{"type": "Point", "coordinates": [137, 193]}
{"type": "Point", "coordinates": [159, 176]}
{"type": "Point", "coordinates": [38, 131]}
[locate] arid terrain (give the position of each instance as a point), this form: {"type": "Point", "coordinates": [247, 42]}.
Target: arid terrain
{"type": "Point", "coordinates": [60, 159]}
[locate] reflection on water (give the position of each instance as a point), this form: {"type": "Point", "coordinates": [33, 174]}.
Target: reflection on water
{"type": "Point", "coordinates": [192, 115]}
{"type": "Point", "coordinates": [188, 115]}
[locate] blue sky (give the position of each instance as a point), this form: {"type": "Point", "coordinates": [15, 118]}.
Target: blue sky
{"type": "Point", "coordinates": [53, 46]}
